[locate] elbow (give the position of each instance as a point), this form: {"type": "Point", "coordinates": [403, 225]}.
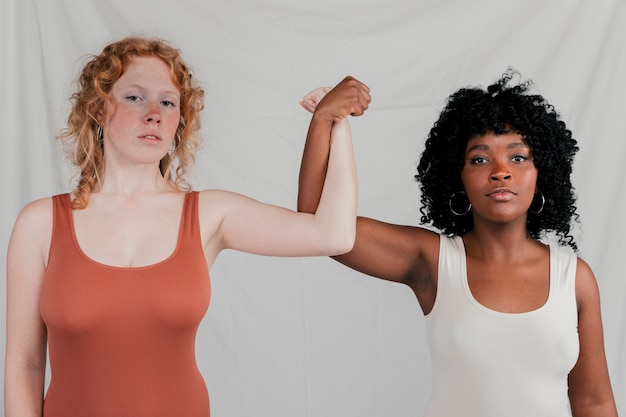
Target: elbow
{"type": "Point", "coordinates": [342, 244]}
{"type": "Point", "coordinates": [341, 248]}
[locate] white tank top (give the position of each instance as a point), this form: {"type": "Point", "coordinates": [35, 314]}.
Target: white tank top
{"type": "Point", "coordinates": [492, 364]}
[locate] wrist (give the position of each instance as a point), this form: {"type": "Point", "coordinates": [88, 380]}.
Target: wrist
{"type": "Point", "coordinates": [322, 118]}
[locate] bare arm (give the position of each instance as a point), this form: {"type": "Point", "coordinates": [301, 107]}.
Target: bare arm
{"type": "Point", "coordinates": [392, 252]}
{"type": "Point", "coordinates": [25, 361]}
{"type": "Point", "coordinates": [248, 225]}
{"type": "Point", "coordinates": [589, 386]}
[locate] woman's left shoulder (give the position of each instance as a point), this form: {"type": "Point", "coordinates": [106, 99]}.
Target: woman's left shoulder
{"type": "Point", "coordinates": [215, 198]}
{"type": "Point", "coordinates": [584, 273]}
{"type": "Point", "coordinates": [586, 284]}
{"type": "Point", "coordinates": [215, 204]}
{"type": "Point", "coordinates": [582, 267]}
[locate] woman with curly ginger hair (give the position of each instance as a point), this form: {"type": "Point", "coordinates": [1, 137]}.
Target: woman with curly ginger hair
{"type": "Point", "coordinates": [113, 279]}
{"type": "Point", "coordinates": [83, 146]}
{"type": "Point", "coordinates": [512, 316]}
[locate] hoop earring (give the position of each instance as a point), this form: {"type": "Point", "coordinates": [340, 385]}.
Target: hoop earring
{"type": "Point", "coordinates": [450, 204]}
{"type": "Point", "coordinates": [175, 142]}
{"type": "Point", "coordinates": [99, 133]}
{"type": "Point", "coordinates": [543, 202]}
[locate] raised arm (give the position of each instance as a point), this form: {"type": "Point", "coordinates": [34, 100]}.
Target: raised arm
{"type": "Point", "coordinates": [393, 252]}
{"type": "Point", "coordinates": [248, 225]}
{"type": "Point", "coordinates": [329, 106]}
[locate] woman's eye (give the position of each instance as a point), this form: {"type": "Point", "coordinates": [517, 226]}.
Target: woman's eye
{"type": "Point", "coordinates": [478, 160]}
{"type": "Point", "coordinates": [168, 103]}
{"type": "Point", "coordinates": [133, 98]}
{"type": "Point", "coordinates": [520, 158]}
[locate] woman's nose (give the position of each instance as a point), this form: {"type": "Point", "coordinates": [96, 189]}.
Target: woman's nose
{"type": "Point", "coordinates": [500, 172]}
{"type": "Point", "coordinates": [153, 115]}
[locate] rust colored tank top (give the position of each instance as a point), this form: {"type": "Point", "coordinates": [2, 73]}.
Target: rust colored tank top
{"type": "Point", "coordinates": [122, 340]}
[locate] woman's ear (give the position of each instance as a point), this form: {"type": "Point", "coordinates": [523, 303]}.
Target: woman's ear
{"type": "Point", "coordinates": [99, 116]}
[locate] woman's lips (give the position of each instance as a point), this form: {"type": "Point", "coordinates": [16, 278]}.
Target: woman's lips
{"type": "Point", "coordinates": [501, 194]}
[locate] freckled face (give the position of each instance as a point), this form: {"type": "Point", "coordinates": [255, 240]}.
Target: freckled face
{"type": "Point", "coordinates": [499, 176]}
{"type": "Point", "coordinates": [142, 121]}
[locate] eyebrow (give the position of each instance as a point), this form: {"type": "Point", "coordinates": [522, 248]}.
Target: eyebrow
{"type": "Point", "coordinates": [140, 87]}
{"type": "Point", "coordinates": [482, 146]}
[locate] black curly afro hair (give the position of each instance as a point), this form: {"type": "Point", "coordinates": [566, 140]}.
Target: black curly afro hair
{"type": "Point", "coordinates": [503, 107]}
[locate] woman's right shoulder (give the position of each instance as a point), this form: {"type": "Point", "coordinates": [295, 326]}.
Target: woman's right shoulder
{"type": "Point", "coordinates": [37, 208]}
{"type": "Point", "coordinates": [414, 237]}
{"type": "Point", "coordinates": [32, 232]}
{"type": "Point", "coordinates": [36, 214]}
{"type": "Point", "coordinates": [409, 245]}
{"type": "Point", "coordinates": [427, 242]}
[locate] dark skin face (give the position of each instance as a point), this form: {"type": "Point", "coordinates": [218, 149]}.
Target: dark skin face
{"type": "Point", "coordinates": [500, 177]}
{"type": "Point", "coordinates": [499, 242]}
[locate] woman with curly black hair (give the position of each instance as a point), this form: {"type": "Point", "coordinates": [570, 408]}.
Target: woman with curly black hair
{"type": "Point", "coordinates": [512, 314]}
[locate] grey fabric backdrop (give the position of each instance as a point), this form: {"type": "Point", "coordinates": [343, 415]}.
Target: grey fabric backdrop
{"type": "Point", "coordinates": [308, 337]}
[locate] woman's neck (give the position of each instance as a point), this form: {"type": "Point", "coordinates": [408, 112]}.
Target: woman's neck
{"type": "Point", "coordinates": [505, 242]}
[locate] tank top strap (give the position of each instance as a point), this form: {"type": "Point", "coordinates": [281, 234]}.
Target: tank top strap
{"type": "Point", "coordinates": [61, 218]}
{"type": "Point", "coordinates": [452, 271]}
{"type": "Point", "coordinates": [190, 227]}
{"type": "Point", "coordinates": [563, 263]}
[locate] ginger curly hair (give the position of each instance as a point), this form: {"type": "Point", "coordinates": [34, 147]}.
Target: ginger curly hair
{"type": "Point", "coordinates": [80, 138]}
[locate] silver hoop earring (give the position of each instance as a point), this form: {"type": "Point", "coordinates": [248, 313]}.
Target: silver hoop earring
{"type": "Point", "coordinates": [99, 133]}
{"type": "Point", "coordinates": [543, 202]}
{"type": "Point", "coordinates": [175, 142]}
{"type": "Point", "coordinates": [451, 204]}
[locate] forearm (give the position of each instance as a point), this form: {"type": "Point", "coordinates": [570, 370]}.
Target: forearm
{"type": "Point", "coordinates": [336, 211]}
{"type": "Point", "coordinates": [314, 165]}
{"type": "Point", "coordinates": [330, 109]}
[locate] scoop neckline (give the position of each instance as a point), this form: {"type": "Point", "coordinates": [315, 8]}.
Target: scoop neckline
{"type": "Point", "coordinates": [489, 310]}
{"type": "Point", "coordinates": [129, 268]}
